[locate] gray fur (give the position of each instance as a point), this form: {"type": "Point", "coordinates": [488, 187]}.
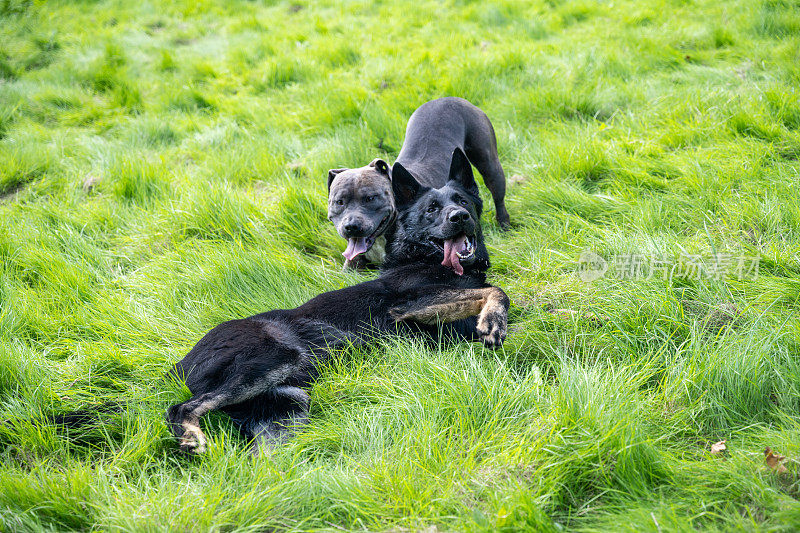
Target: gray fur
{"type": "Point", "coordinates": [360, 204]}
{"type": "Point", "coordinates": [433, 132]}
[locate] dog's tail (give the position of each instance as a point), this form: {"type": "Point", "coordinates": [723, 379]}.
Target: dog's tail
{"type": "Point", "coordinates": [83, 417]}
{"type": "Point", "coordinates": [65, 423]}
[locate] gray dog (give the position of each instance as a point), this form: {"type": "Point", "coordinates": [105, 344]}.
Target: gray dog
{"type": "Point", "coordinates": [360, 200]}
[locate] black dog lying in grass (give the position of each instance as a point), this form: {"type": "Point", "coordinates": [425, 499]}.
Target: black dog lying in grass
{"type": "Point", "coordinates": [257, 369]}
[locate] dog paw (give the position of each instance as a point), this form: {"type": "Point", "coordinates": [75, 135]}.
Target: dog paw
{"type": "Point", "coordinates": [193, 441]}
{"type": "Point", "coordinates": [492, 328]}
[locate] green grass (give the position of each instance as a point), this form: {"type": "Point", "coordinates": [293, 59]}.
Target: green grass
{"type": "Point", "coordinates": [162, 169]}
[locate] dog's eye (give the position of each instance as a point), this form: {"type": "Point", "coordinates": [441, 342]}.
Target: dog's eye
{"type": "Point", "coordinates": [368, 199]}
{"type": "Point", "coordinates": [464, 202]}
{"type": "Point", "coordinates": [339, 202]}
{"type": "Point", "coordinates": [432, 208]}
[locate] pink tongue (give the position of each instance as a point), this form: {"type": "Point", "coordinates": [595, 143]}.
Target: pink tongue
{"type": "Point", "coordinates": [451, 248]}
{"type": "Point", "coordinates": [355, 246]}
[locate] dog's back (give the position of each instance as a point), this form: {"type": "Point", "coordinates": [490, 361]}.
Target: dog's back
{"type": "Point", "coordinates": [440, 126]}
{"type": "Point", "coordinates": [437, 128]}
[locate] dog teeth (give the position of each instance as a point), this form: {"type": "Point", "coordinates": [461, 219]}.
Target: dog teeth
{"type": "Point", "coordinates": [468, 252]}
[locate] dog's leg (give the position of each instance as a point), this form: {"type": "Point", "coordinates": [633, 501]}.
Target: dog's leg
{"type": "Point", "coordinates": [184, 418]}
{"type": "Point", "coordinates": [492, 323]}
{"type": "Point", "coordinates": [270, 433]}
{"type": "Point", "coordinates": [488, 164]}
{"type": "Point", "coordinates": [291, 410]}
{"type": "Point", "coordinates": [481, 150]}
{"type": "Point", "coordinates": [273, 431]}
{"type": "Point", "coordinates": [436, 305]}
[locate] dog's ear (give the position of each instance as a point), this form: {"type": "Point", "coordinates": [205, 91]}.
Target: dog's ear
{"type": "Point", "coordinates": [461, 171]}
{"type": "Point", "coordinates": [404, 186]}
{"type": "Point", "coordinates": [332, 173]}
{"type": "Point", "coordinates": [381, 166]}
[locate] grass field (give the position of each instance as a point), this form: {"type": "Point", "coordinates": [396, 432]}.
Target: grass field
{"type": "Point", "coordinates": [162, 169]}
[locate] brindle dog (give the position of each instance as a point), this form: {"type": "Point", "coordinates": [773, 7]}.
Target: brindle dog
{"type": "Point", "coordinates": [433, 284]}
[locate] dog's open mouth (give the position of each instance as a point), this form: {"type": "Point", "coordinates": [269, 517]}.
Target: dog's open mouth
{"type": "Point", "coordinates": [459, 248]}
{"type": "Point", "coordinates": [361, 245]}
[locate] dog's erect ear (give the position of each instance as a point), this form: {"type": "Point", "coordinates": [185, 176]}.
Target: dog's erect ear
{"type": "Point", "coordinates": [332, 173]}
{"type": "Point", "coordinates": [381, 166]}
{"type": "Point", "coordinates": [461, 171]}
{"type": "Point", "coordinates": [404, 186]}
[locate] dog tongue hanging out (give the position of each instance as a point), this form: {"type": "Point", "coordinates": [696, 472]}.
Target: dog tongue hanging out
{"type": "Point", "coordinates": [355, 246]}
{"type": "Point", "coordinates": [448, 217]}
{"type": "Point", "coordinates": [455, 250]}
{"type": "Point", "coordinates": [361, 206]}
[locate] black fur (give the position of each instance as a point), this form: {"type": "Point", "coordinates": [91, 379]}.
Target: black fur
{"type": "Point", "coordinates": [440, 126]}
{"type": "Point", "coordinates": [360, 202]}
{"type": "Point", "coordinates": [258, 369]}
{"type": "Point", "coordinates": [411, 237]}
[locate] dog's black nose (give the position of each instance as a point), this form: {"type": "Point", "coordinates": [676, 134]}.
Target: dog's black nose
{"type": "Point", "coordinates": [351, 228]}
{"type": "Point", "coordinates": [458, 216]}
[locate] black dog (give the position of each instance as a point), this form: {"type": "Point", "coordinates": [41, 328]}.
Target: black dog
{"type": "Point", "coordinates": [360, 202]}
{"type": "Point", "coordinates": [257, 369]}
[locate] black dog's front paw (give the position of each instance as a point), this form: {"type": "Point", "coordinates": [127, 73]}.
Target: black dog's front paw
{"type": "Point", "coordinates": [492, 327]}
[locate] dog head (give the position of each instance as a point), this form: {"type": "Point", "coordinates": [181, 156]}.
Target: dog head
{"type": "Point", "coordinates": [361, 204]}
{"type": "Point", "coordinates": [441, 225]}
